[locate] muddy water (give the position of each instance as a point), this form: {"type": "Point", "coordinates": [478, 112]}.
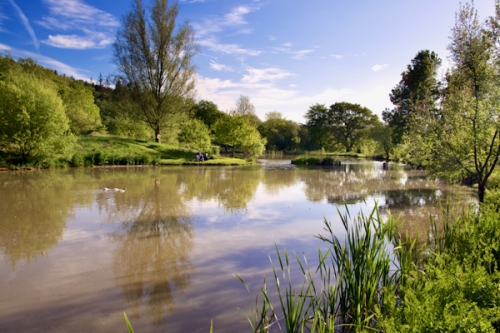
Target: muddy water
{"type": "Point", "coordinates": [74, 257]}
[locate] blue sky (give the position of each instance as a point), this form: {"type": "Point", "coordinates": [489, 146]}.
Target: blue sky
{"type": "Point", "coordinates": [286, 55]}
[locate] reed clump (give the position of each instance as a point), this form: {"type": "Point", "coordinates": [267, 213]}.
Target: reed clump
{"type": "Point", "coordinates": [377, 280]}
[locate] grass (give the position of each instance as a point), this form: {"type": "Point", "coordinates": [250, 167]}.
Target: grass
{"type": "Point", "coordinates": [347, 289]}
{"type": "Point", "coordinates": [114, 150]}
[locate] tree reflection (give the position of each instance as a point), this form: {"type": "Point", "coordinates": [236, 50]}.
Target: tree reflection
{"type": "Point", "coordinates": [151, 261]}
{"type": "Point", "coordinates": [232, 188]}
{"type": "Point", "coordinates": [34, 208]}
{"type": "Point", "coordinates": [416, 207]}
{"type": "Point", "coordinates": [343, 184]}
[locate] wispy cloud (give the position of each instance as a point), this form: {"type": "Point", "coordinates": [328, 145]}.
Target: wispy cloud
{"type": "Point", "coordinates": [220, 67]}
{"type": "Point", "coordinates": [232, 23]}
{"type": "Point", "coordinates": [337, 56]}
{"type": "Point", "coordinates": [296, 54]}
{"type": "Point", "coordinates": [26, 24]}
{"type": "Point", "coordinates": [264, 75]}
{"type": "Point", "coordinates": [215, 46]}
{"type": "Point", "coordinates": [90, 27]}
{"type": "Point", "coordinates": [381, 67]}
{"type": "Point", "coordinates": [61, 67]}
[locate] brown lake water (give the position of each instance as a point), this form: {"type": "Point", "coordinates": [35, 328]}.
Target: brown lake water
{"type": "Point", "coordinates": [74, 257]}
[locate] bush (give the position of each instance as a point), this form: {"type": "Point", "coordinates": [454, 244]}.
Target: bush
{"type": "Point", "coordinates": [77, 160]}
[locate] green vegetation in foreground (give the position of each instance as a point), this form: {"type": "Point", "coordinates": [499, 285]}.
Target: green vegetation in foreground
{"type": "Point", "coordinates": [114, 150]}
{"type": "Point", "coordinates": [377, 280]}
{"type": "Point", "coordinates": [450, 284]}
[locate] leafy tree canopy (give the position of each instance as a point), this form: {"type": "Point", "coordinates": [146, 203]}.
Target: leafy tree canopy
{"type": "Point", "coordinates": [154, 58]}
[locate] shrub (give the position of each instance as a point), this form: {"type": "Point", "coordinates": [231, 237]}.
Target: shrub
{"type": "Point", "coordinates": [78, 160]}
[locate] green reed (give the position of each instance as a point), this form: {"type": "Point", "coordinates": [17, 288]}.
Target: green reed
{"type": "Point", "coordinates": [347, 290]}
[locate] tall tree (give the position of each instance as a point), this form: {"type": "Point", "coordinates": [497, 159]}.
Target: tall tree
{"type": "Point", "coordinates": [244, 106]}
{"type": "Point", "coordinates": [461, 139]}
{"type": "Point", "coordinates": [418, 85]}
{"type": "Point", "coordinates": [154, 58]}
{"type": "Point", "coordinates": [318, 125]}
{"type": "Point", "coordinates": [349, 123]}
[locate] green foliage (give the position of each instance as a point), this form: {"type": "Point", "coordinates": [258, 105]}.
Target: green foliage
{"type": "Point", "coordinates": [34, 125]}
{"type": "Point", "coordinates": [154, 58]}
{"type": "Point", "coordinates": [343, 124]}
{"type": "Point", "coordinates": [195, 134]}
{"type": "Point", "coordinates": [349, 123]}
{"type": "Point", "coordinates": [462, 138]}
{"type": "Point", "coordinates": [239, 133]}
{"type": "Point", "coordinates": [280, 133]}
{"type": "Point", "coordinates": [418, 85]}
{"type": "Point", "coordinates": [456, 289]}
{"type": "Point", "coordinates": [312, 160]}
{"type": "Point", "coordinates": [317, 126]}
{"type": "Point", "coordinates": [208, 112]}
{"type": "Point", "coordinates": [306, 160]}
{"type": "Point", "coordinates": [82, 113]}
{"type": "Point", "coordinates": [78, 160]}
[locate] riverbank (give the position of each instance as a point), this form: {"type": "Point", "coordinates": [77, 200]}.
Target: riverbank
{"type": "Point", "coordinates": [115, 151]}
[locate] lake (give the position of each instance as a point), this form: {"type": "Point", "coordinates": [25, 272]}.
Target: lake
{"type": "Point", "coordinates": [74, 257]}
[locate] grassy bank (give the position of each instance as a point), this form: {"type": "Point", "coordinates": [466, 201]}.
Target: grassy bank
{"type": "Point", "coordinates": [112, 150]}
{"type": "Point", "coordinates": [105, 150]}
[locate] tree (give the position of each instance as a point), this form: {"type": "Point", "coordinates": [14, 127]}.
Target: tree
{"type": "Point", "coordinates": [382, 134]}
{"type": "Point", "coordinates": [208, 112]}
{"type": "Point", "coordinates": [280, 133]}
{"type": "Point", "coordinates": [418, 85]}
{"type": "Point", "coordinates": [317, 125]}
{"type": "Point", "coordinates": [239, 133]}
{"type": "Point", "coordinates": [155, 59]}
{"type": "Point", "coordinates": [461, 140]}
{"type": "Point", "coordinates": [244, 106]}
{"type": "Point", "coordinates": [194, 133]}
{"type": "Point", "coordinates": [82, 112]}
{"type": "Point", "coordinates": [349, 123]}
{"type": "Point", "coordinates": [32, 118]}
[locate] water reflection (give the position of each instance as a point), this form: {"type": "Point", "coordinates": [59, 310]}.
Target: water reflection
{"type": "Point", "coordinates": [231, 188]}
{"type": "Point", "coordinates": [155, 250]}
{"type": "Point", "coordinates": [151, 261]}
{"type": "Point", "coordinates": [34, 210]}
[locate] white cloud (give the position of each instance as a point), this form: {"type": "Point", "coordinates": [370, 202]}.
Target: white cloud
{"type": "Point", "coordinates": [267, 74]}
{"type": "Point", "coordinates": [78, 42]}
{"type": "Point", "coordinates": [262, 86]}
{"type": "Point", "coordinates": [26, 24]}
{"type": "Point", "coordinates": [220, 67]}
{"type": "Point", "coordinates": [271, 37]}
{"type": "Point", "coordinates": [236, 16]}
{"type": "Point", "coordinates": [296, 54]}
{"type": "Point", "coordinates": [213, 45]}
{"type": "Point", "coordinates": [75, 14]}
{"type": "Point", "coordinates": [90, 27]}
{"type": "Point", "coordinates": [378, 68]}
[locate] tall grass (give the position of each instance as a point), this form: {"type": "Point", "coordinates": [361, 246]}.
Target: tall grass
{"type": "Point", "coordinates": [346, 291]}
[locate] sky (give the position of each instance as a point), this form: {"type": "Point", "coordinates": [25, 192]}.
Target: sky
{"type": "Point", "coordinates": [285, 55]}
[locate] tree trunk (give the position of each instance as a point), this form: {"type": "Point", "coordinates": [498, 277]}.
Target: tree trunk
{"type": "Point", "coordinates": [480, 192]}
{"type": "Point", "coordinates": [157, 135]}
